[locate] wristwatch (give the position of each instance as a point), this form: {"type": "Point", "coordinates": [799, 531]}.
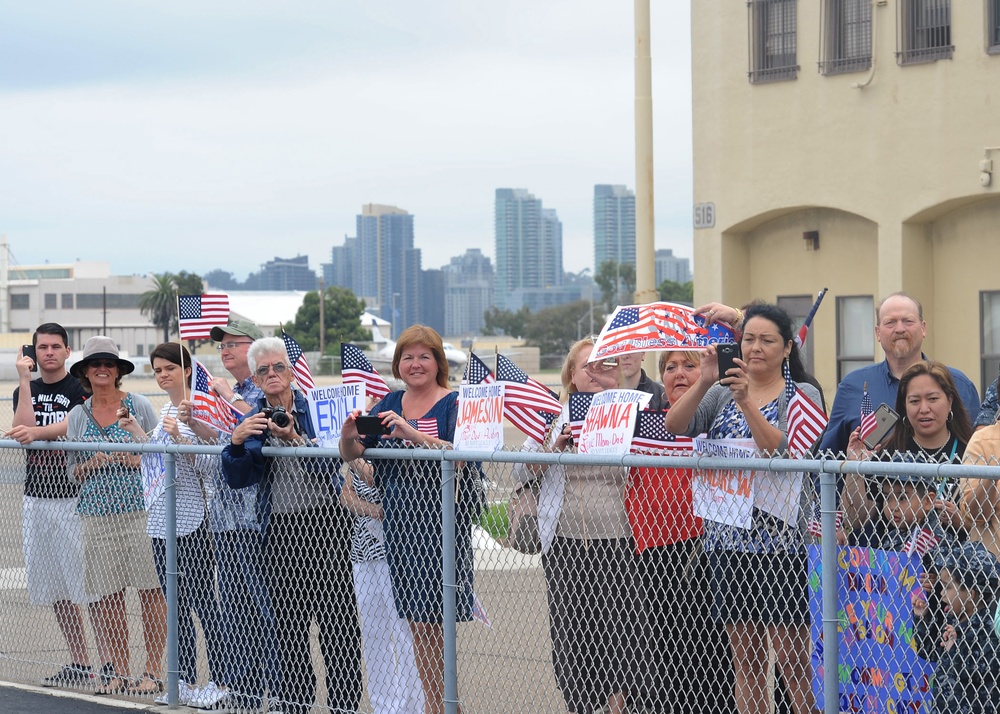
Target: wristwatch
{"type": "Point", "coordinates": [238, 397]}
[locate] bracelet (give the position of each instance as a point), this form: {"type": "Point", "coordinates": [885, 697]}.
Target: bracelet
{"type": "Point", "coordinates": [739, 317]}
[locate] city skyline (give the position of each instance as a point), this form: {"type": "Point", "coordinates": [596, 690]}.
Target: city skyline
{"type": "Point", "coordinates": [181, 137]}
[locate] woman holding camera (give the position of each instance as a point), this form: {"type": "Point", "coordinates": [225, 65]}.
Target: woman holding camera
{"type": "Point", "coordinates": [306, 533]}
{"type": "Point", "coordinates": [424, 415]}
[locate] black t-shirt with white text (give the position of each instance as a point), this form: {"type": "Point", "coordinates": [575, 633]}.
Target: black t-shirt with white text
{"type": "Point", "coordinates": [45, 471]}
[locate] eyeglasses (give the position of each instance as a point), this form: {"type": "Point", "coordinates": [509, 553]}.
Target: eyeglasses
{"type": "Point", "coordinates": [230, 345]}
{"type": "Point", "coordinates": [278, 367]}
{"type": "Point", "coordinates": [106, 363]}
{"type": "Point", "coordinates": [601, 367]}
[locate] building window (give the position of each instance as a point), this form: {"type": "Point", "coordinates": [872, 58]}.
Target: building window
{"type": "Point", "coordinates": [993, 26]}
{"type": "Point", "coordinates": [20, 302]}
{"type": "Point", "coordinates": [845, 36]}
{"type": "Point", "coordinates": [115, 301]}
{"type": "Point", "coordinates": [50, 301]}
{"type": "Point", "coordinates": [797, 307]}
{"type": "Point", "coordinates": [67, 301]}
{"type": "Point", "coordinates": [924, 28]}
{"type": "Point", "coordinates": [772, 27]}
{"type": "Point", "coordinates": [990, 337]}
{"type": "Point", "coordinates": [855, 333]}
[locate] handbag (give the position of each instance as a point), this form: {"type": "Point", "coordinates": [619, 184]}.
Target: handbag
{"type": "Point", "coordinates": [522, 515]}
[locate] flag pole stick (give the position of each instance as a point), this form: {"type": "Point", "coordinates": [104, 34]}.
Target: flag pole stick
{"type": "Point", "coordinates": [180, 343]}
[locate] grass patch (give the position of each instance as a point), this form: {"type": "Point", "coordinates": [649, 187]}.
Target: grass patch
{"type": "Point", "coordinates": [494, 520]}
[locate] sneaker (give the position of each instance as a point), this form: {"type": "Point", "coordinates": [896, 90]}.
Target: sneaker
{"type": "Point", "coordinates": [212, 698]}
{"type": "Point", "coordinates": [184, 694]}
{"type": "Point", "coordinates": [71, 675]}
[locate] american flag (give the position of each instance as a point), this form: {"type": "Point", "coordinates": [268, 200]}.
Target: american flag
{"type": "Point", "coordinates": [815, 525]}
{"type": "Point", "coordinates": [579, 405]}
{"type": "Point", "coordinates": [527, 404]}
{"type": "Point", "coordinates": [425, 426]}
{"type": "Point", "coordinates": [658, 325]}
{"type": "Point", "coordinates": [209, 407]}
{"type": "Point", "coordinates": [299, 364]}
{"type": "Point", "coordinates": [355, 368]}
{"type": "Point", "coordinates": [198, 314]}
{"type": "Point", "coordinates": [868, 419]}
{"type": "Point", "coordinates": [800, 338]}
{"type": "Point", "coordinates": [476, 371]}
{"type": "Point", "coordinates": [651, 435]}
{"type": "Point", "coordinates": [921, 542]}
{"type": "Point", "coordinates": [806, 421]}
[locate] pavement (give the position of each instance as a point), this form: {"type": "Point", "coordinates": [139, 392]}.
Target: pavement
{"type": "Point", "coordinates": [26, 699]}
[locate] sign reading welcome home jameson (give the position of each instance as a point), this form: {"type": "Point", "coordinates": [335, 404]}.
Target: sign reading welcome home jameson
{"type": "Point", "coordinates": [480, 417]}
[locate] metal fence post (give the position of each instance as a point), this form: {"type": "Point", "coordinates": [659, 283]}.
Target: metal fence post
{"type": "Point", "coordinates": [828, 558]}
{"type": "Point", "coordinates": [173, 673]}
{"type": "Point", "coordinates": [448, 491]}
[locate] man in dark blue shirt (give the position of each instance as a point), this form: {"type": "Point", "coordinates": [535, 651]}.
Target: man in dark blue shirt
{"type": "Point", "coordinates": [900, 329]}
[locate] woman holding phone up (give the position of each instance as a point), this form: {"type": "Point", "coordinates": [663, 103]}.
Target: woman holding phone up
{"type": "Point", "coordinates": [757, 575]}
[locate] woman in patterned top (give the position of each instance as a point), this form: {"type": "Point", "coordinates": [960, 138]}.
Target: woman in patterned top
{"type": "Point", "coordinates": [117, 552]}
{"type": "Point", "coordinates": [757, 574]}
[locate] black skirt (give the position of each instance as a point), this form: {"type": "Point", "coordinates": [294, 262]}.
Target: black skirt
{"type": "Point", "coordinates": [591, 595]}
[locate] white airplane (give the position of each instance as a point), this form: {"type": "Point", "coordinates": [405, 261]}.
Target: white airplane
{"type": "Point", "coordinates": [385, 348]}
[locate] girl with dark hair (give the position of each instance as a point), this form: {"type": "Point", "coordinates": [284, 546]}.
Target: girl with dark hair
{"type": "Point", "coordinates": [757, 574]}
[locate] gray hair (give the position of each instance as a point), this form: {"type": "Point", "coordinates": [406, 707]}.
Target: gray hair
{"type": "Point", "coordinates": [266, 346]}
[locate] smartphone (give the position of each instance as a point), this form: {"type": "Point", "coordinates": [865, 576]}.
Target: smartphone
{"type": "Point", "coordinates": [29, 351]}
{"type": "Point", "coordinates": [727, 352]}
{"type": "Point", "coordinates": [371, 425]}
{"type": "Point", "coordinates": [125, 407]}
{"type": "Point", "coordinates": [885, 420]}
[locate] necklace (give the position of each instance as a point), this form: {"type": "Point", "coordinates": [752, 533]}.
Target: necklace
{"type": "Point", "coordinates": [932, 452]}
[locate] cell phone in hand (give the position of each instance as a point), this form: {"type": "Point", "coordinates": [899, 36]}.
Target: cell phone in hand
{"type": "Point", "coordinates": [727, 354]}
{"type": "Point", "coordinates": [885, 419]}
{"type": "Point", "coordinates": [371, 425]}
{"type": "Point", "coordinates": [29, 351]}
{"type": "Point", "coordinates": [124, 407]}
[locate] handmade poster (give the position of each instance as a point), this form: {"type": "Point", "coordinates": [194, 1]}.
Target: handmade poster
{"type": "Point", "coordinates": [610, 421]}
{"type": "Point", "coordinates": [724, 496]}
{"type": "Point", "coordinates": [879, 669]}
{"type": "Point", "coordinates": [480, 417]}
{"type": "Point", "coordinates": [329, 407]}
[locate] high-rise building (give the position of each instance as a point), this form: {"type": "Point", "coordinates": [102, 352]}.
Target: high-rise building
{"type": "Point", "coordinates": [286, 274]}
{"type": "Point", "coordinates": [339, 272]}
{"type": "Point", "coordinates": [528, 241]}
{"type": "Point", "coordinates": [614, 225]}
{"type": "Point", "coordinates": [432, 290]}
{"type": "Point", "coordinates": [677, 270]}
{"type": "Point", "coordinates": [387, 266]}
{"type": "Point", "coordinates": [468, 293]}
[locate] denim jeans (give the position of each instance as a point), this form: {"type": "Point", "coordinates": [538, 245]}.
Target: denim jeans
{"type": "Point", "coordinates": [195, 594]}
{"type": "Point", "coordinates": [251, 647]}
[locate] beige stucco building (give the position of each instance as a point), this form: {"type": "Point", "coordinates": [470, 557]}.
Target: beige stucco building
{"type": "Point", "coordinates": [817, 182]}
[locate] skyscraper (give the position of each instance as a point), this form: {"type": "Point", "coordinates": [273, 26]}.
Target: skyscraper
{"type": "Point", "coordinates": [468, 292]}
{"type": "Point", "coordinates": [614, 225]}
{"type": "Point", "coordinates": [677, 270]}
{"type": "Point", "coordinates": [387, 266]}
{"type": "Point", "coordinates": [528, 242]}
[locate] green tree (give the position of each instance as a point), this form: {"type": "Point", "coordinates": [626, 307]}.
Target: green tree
{"type": "Point", "coordinates": [617, 283]}
{"type": "Point", "coordinates": [160, 303]}
{"type": "Point", "coordinates": [505, 322]}
{"type": "Point", "coordinates": [188, 283]}
{"type": "Point", "coordinates": [342, 318]}
{"type": "Point", "coordinates": [555, 329]}
{"type": "Point", "coordinates": [676, 292]}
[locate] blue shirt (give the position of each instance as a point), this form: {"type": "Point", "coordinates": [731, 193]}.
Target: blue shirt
{"type": "Point", "coordinates": [988, 409]}
{"type": "Point", "coordinates": [845, 416]}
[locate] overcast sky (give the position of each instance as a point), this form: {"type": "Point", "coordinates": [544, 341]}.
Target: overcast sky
{"type": "Point", "coordinates": [197, 135]}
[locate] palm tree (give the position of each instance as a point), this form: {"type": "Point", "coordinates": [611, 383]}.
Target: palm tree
{"type": "Point", "coordinates": [160, 303]}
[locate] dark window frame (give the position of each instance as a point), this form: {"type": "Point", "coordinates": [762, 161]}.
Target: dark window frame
{"type": "Point", "coordinates": [842, 358]}
{"type": "Point", "coordinates": [772, 40]}
{"type": "Point", "coordinates": [923, 31]}
{"type": "Point", "coordinates": [845, 36]}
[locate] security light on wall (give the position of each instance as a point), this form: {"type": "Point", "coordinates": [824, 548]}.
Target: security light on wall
{"type": "Point", "coordinates": [812, 239]}
{"type": "Point", "coordinates": [986, 167]}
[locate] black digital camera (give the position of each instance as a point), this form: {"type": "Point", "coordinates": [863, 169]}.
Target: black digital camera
{"type": "Point", "coordinates": [278, 415]}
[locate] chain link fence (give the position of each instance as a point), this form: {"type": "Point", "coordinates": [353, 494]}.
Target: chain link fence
{"type": "Point", "coordinates": [578, 583]}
